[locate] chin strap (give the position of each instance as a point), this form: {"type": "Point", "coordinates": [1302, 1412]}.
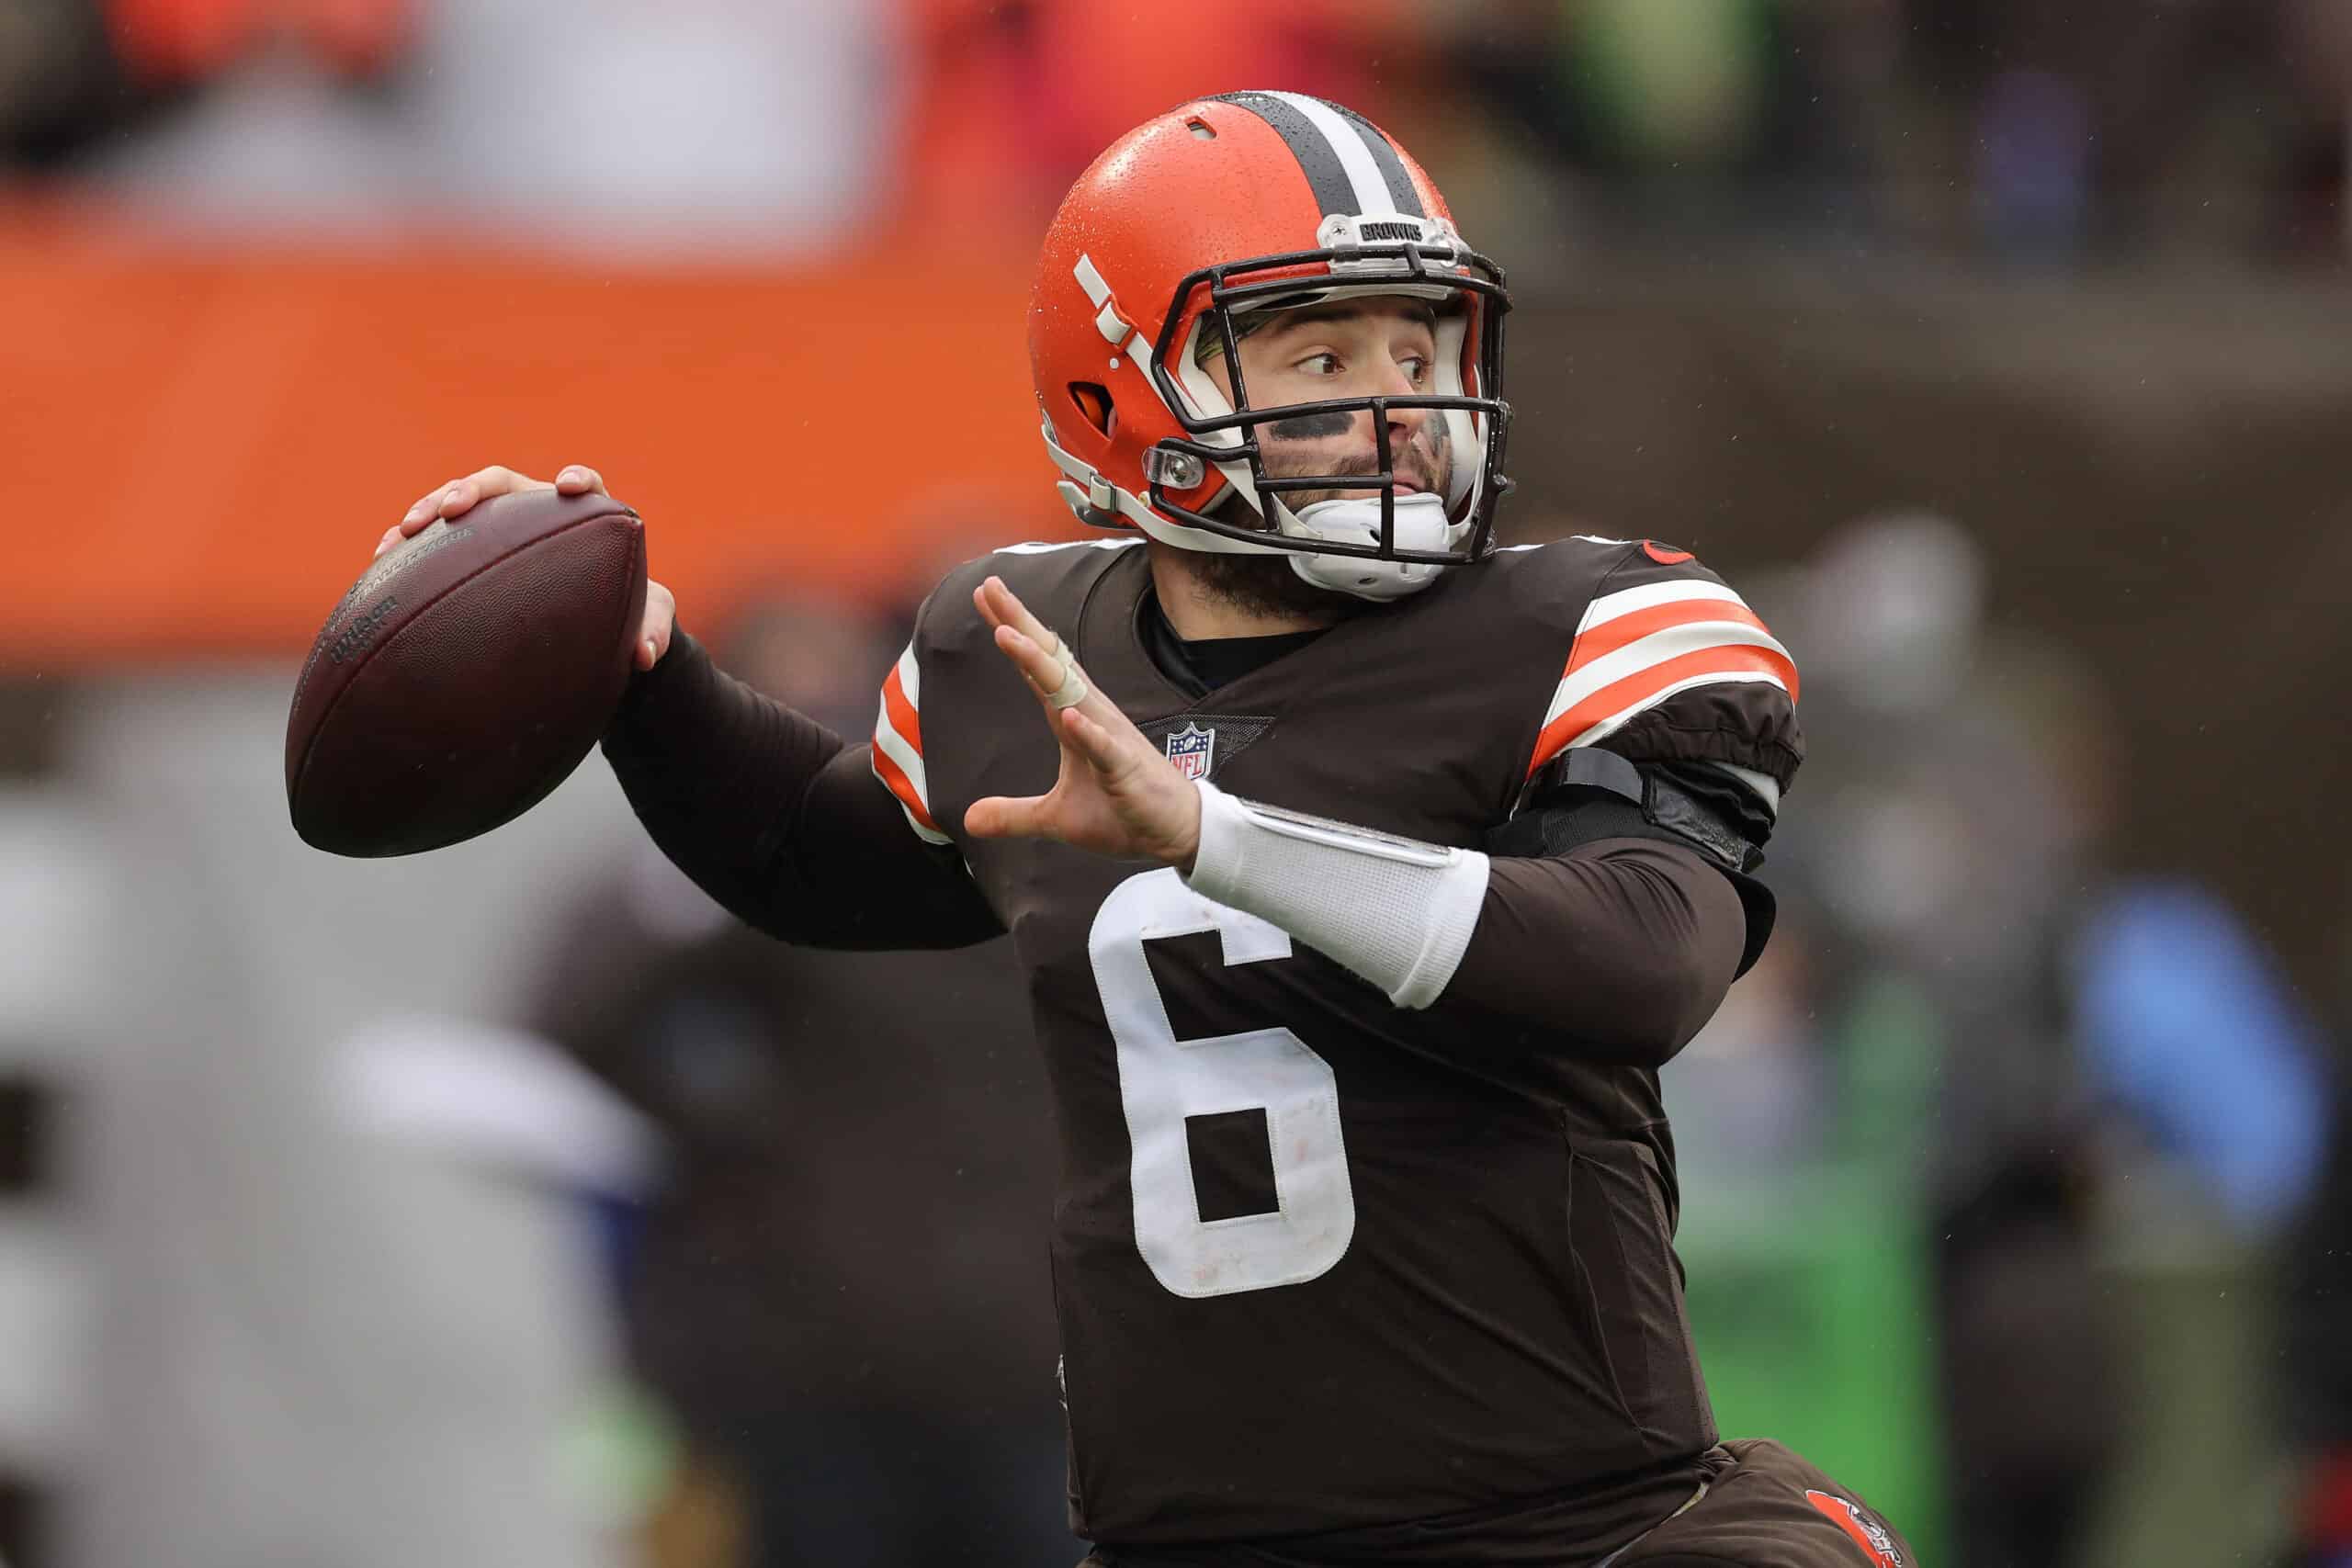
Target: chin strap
{"type": "Point", "coordinates": [1098, 502]}
{"type": "Point", "coordinates": [1356, 520]}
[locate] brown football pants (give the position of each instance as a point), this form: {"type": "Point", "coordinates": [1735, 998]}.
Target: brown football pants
{"type": "Point", "coordinates": [1765, 1506]}
{"type": "Point", "coordinates": [1772, 1509]}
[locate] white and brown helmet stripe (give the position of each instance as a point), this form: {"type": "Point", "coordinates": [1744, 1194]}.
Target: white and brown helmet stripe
{"type": "Point", "coordinates": [1350, 167]}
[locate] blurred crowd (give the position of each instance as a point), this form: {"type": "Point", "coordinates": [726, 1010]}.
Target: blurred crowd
{"type": "Point", "coordinates": [2002, 130]}
{"type": "Point", "coordinates": [2083, 1078]}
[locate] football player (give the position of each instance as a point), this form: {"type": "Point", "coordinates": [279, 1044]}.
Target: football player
{"type": "Point", "coordinates": [1363, 874]}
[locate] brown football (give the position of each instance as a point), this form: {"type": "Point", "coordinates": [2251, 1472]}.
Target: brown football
{"type": "Point", "coordinates": [466, 674]}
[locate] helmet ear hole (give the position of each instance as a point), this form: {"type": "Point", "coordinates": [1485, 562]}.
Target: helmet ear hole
{"type": "Point", "coordinates": [1093, 401]}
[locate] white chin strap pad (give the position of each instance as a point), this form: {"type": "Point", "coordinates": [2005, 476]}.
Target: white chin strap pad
{"type": "Point", "coordinates": [1422, 524]}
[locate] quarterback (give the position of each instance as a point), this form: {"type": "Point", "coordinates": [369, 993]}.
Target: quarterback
{"type": "Point", "coordinates": [1364, 872]}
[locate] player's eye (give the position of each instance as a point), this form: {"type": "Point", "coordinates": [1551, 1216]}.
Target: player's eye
{"type": "Point", "coordinates": [1326, 364]}
{"type": "Point", "coordinates": [1417, 368]}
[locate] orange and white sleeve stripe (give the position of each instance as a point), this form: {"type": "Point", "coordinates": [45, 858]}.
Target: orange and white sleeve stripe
{"type": "Point", "coordinates": [897, 746]}
{"type": "Point", "coordinates": [1640, 646]}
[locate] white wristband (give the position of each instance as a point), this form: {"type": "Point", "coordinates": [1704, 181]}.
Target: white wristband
{"type": "Point", "coordinates": [1396, 912]}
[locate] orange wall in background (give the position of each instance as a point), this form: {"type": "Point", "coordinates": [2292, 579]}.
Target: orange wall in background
{"type": "Point", "coordinates": [199, 448]}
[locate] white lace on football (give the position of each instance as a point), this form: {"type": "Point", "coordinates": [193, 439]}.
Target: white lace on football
{"type": "Point", "coordinates": [1396, 912]}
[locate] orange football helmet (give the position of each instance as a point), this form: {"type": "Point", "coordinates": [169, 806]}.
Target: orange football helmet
{"type": "Point", "coordinates": [1256, 201]}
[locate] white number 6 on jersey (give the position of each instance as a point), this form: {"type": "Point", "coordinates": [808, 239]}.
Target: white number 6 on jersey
{"type": "Point", "coordinates": [1162, 1080]}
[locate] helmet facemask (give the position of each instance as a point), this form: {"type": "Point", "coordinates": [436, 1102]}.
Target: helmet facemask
{"type": "Point", "coordinates": [1375, 542]}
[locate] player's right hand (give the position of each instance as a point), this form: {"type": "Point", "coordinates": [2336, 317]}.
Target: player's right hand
{"type": "Point", "coordinates": [460, 496]}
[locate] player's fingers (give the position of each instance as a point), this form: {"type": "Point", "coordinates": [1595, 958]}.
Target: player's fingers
{"type": "Point", "coordinates": [578, 478]}
{"type": "Point", "coordinates": [426, 508]}
{"type": "Point", "coordinates": [1098, 745]}
{"type": "Point", "coordinates": [984, 601]}
{"type": "Point", "coordinates": [462, 495]}
{"type": "Point", "coordinates": [1003, 607]}
{"type": "Point", "coordinates": [436, 502]}
{"type": "Point", "coordinates": [459, 496]}
{"type": "Point", "coordinates": [392, 536]}
{"type": "Point", "coordinates": [658, 627]}
{"type": "Point", "coordinates": [497, 479]}
{"type": "Point", "coordinates": [1055, 676]}
{"type": "Point", "coordinates": [996, 603]}
{"type": "Point", "coordinates": [1005, 816]}
{"type": "Point", "coordinates": [1044, 671]}
{"type": "Point", "coordinates": [481, 484]}
{"type": "Point", "coordinates": [1060, 661]}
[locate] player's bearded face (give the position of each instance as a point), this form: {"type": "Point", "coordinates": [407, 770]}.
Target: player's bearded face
{"type": "Point", "coordinates": [1369, 347]}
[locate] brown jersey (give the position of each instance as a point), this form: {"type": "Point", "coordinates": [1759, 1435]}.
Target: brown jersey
{"type": "Point", "coordinates": [1322, 1263]}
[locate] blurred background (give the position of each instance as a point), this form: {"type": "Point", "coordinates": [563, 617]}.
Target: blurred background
{"type": "Point", "coordinates": [503, 1206]}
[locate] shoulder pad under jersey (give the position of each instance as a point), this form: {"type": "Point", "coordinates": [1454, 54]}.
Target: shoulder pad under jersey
{"type": "Point", "coordinates": [1661, 661]}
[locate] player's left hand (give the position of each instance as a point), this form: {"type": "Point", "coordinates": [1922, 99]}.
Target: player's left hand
{"type": "Point", "coordinates": [1117, 793]}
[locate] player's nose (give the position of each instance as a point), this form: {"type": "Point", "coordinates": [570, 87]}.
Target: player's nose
{"type": "Point", "coordinates": [1406, 424]}
{"type": "Point", "coordinates": [1406, 432]}
{"type": "Point", "coordinates": [1394, 380]}
{"type": "Point", "coordinates": [1403, 423]}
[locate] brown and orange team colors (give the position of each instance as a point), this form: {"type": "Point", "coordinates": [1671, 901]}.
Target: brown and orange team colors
{"type": "Point", "coordinates": [1347, 1272]}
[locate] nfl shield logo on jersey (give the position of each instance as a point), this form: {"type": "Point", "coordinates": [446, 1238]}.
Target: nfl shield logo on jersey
{"type": "Point", "coordinates": [1193, 748]}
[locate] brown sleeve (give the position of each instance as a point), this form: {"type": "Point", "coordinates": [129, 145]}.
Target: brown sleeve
{"type": "Point", "coordinates": [779, 819]}
{"type": "Point", "coordinates": [1625, 945]}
